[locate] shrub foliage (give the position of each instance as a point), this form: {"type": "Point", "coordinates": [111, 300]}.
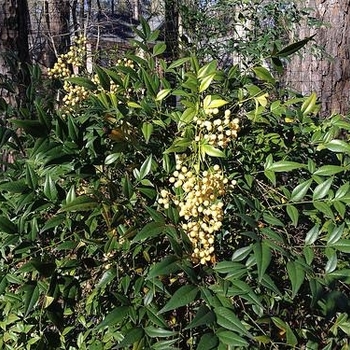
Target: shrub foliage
{"type": "Point", "coordinates": [173, 206]}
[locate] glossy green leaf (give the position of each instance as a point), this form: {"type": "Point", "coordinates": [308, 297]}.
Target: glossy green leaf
{"type": "Point", "coordinates": [205, 82]}
{"type": "Point", "coordinates": [145, 167]}
{"type": "Point", "coordinates": [208, 341]}
{"type": "Point", "coordinates": [183, 296]}
{"type": "Point", "coordinates": [18, 186]}
{"type": "Point", "coordinates": [204, 316]}
{"type": "Point", "coordinates": [231, 339]}
{"type": "Point", "coordinates": [212, 151]}
{"type": "Point", "coordinates": [262, 254]}
{"type": "Point", "coordinates": [312, 235]}
{"type": "Point", "coordinates": [81, 203]}
{"type": "Point", "coordinates": [292, 48]}
{"type": "Point", "coordinates": [342, 191]}
{"type": "Point", "coordinates": [264, 74]}
{"type": "Point", "coordinates": [31, 297]}
{"type": "Point", "coordinates": [114, 317]}
{"type": "Point", "coordinates": [338, 146]}
{"type": "Point", "coordinates": [179, 62]}
{"type": "Point", "coordinates": [296, 275]}
{"type": "Point", "coordinates": [324, 208]}
{"type": "Point", "coordinates": [228, 320]}
{"type": "Point", "coordinates": [335, 235]}
{"type": "Point", "coordinates": [284, 165]}
{"type": "Point", "coordinates": [168, 265]}
{"type": "Point", "coordinates": [343, 245]}
{"type": "Point", "coordinates": [132, 336]}
{"type": "Point", "coordinates": [50, 190]}
{"type": "Point", "coordinates": [7, 226]}
{"type": "Point", "coordinates": [150, 230]}
{"type": "Point", "coordinates": [309, 104]}
{"type": "Point", "coordinates": [154, 332]}
{"type": "Point", "coordinates": [300, 191]}
{"type": "Point", "coordinates": [293, 214]}
{"type": "Point", "coordinates": [84, 82]}
{"type": "Point", "coordinates": [31, 177]}
{"type": "Point", "coordinates": [322, 189]}
{"type": "Point", "coordinates": [162, 94]}
{"type": "Point", "coordinates": [158, 49]}
{"type": "Point", "coordinates": [329, 170]}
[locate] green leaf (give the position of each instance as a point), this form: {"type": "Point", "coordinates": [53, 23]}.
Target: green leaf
{"type": "Point", "coordinates": [262, 254]}
{"type": "Point", "coordinates": [18, 186]}
{"type": "Point", "coordinates": [231, 339]}
{"type": "Point", "coordinates": [227, 319]}
{"type": "Point", "coordinates": [293, 213]}
{"type": "Point", "coordinates": [342, 191]}
{"type": "Point", "coordinates": [152, 229]}
{"type": "Point", "coordinates": [103, 78]}
{"type": "Point", "coordinates": [31, 296]}
{"type": "Point", "coordinates": [179, 62]}
{"type": "Point", "coordinates": [212, 151]}
{"type": "Point", "coordinates": [7, 226]}
{"type": "Point", "coordinates": [300, 191]}
{"type": "Point", "coordinates": [188, 115]}
{"type": "Point", "coordinates": [112, 158]}
{"type": "Point", "coordinates": [132, 336]}
{"type": "Point", "coordinates": [154, 332]}
{"type": "Point", "coordinates": [81, 203]}
{"type": "Point", "coordinates": [31, 177]}
{"type": "Point", "coordinates": [145, 168]}
{"type": "Point", "coordinates": [343, 245]}
{"type": "Point", "coordinates": [283, 326]}
{"type": "Point", "coordinates": [335, 235]}
{"type": "Point", "coordinates": [50, 190]}
{"type": "Point", "coordinates": [115, 316]}
{"type": "Point", "coordinates": [162, 94]}
{"type": "Point", "coordinates": [204, 316]}
{"type": "Point", "coordinates": [132, 104]}
{"type": "Point", "coordinates": [284, 165]}
{"type": "Point", "coordinates": [338, 146]}
{"type": "Point", "coordinates": [158, 49]}
{"type": "Point", "coordinates": [183, 296]}
{"type": "Point", "coordinates": [328, 170]}
{"type": "Point", "coordinates": [322, 189]}
{"type": "Point", "coordinates": [208, 341]}
{"type": "Point", "coordinates": [312, 235]}
{"type": "Point", "coordinates": [54, 222]}
{"type": "Point", "coordinates": [84, 82]}
{"type": "Point", "coordinates": [324, 208]}
{"type": "Point", "coordinates": [168, 265]}
{"type": "Point", "coordinates": [309, 104]}
{"type": "Point", "coordinates": [296, 275]}
{"type": "Point", "coordinates": [292, 48]}
{"type": "Point", "coordinates": [205, 82]}
{"type": "Point", "coordinates": [263, 74]}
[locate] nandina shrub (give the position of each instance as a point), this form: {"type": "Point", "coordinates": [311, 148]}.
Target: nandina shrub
{"type": "Point", "coordinates": [215, 222]}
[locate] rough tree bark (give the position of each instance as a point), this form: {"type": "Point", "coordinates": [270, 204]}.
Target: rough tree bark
{"type": "Point", "coordinates": [327, 76]}
{"type": "Point", "coordinates": [14, 26]}
{"type": "Point", "coordinates": [57, 23]}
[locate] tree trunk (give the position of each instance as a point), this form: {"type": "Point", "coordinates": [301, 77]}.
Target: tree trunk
{"type": "Point", "coordinates": [14, 27]}
{"type": "Point", "coordinates": [327, 75]}
{"type": "Point", "coordinates": [57, 22]}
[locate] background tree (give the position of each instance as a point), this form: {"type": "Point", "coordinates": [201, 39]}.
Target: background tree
{"type": "Point", "coordinates": [327, 73]}
{"type": "Point", "coordinates": [14, 25]}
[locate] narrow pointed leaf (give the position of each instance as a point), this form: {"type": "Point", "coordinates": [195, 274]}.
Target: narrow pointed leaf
{"type": "Point", "coordinates": [183, 296]}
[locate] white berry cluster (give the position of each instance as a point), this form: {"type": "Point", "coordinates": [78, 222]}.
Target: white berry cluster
{"type": "Point", "coordinates": [74, 94]}
{"type": "Point", "coordinates": [75, 57]}
{"type": "Point", "coordinates": [198, 197]}
{"type": "Point", "coordinates": [217, 131]}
